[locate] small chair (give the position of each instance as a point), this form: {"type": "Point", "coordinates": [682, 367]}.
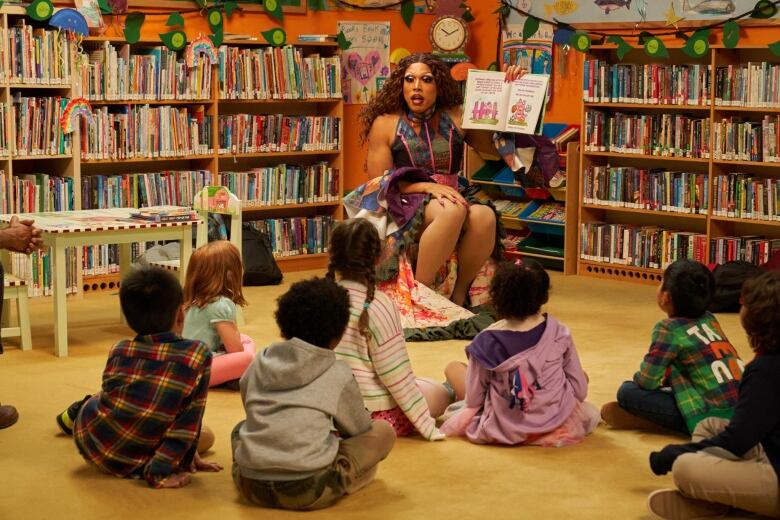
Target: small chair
{"type": "Point", "coordinates": [16, 288]}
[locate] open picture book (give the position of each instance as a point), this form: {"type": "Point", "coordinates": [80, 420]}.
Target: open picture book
{"type": "Point", "coordinates": [494, 104]}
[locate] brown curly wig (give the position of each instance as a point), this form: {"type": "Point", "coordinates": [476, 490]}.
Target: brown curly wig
{"type": "Point", "coordinates": [761, 311]}
{"type": "Point", "coordinates": [390, 98]}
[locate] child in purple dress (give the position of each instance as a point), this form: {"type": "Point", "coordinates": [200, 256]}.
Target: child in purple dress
{"type": "Point", "coordinates": [524, 383]}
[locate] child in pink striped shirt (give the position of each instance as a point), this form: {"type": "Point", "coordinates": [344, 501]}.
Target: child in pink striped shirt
{"type": "Point", "coordinates": [373, 344]}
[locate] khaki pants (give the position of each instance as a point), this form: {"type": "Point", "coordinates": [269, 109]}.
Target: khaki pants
{"type": "Point", "coordinates": [716, 475]}
{"type": "Point", "coordinates": [354, 467]}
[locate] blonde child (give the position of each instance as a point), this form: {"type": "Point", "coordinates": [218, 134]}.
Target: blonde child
{"type": "Point", "coordinates": [212, 290]}
{"type": "Point", "coordinates": [373, 344]}
{"type": "Point", "coordinates": [524, 383]}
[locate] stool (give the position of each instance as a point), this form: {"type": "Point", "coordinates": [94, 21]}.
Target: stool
{"type": "Point", "coordinates": [16, 288]}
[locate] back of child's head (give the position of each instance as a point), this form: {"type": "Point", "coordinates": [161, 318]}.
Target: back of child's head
{"type": "Point", "coordinates": [214, 270]}
{"type": "Point", "coordinates": [690, 286]}
{"type": "Point", "coordinates": [315, 311]}
{"type": "Point", "coordinates": [355, 248]}
{"type": "Point", "coordinates": [519, 289]}
{"type": "Point", "coordinates": [150, 298]}
{"type": "Point", "coordinates": [760, 314]}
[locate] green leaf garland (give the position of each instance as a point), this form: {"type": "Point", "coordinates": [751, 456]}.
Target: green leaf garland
{"type": "Point", "coordinates": [623, 46]}
{"type": "Point", "coordinates": [764, 9]}
{"type": "Point", "coordinates": [407, 12]}
{"type": "Point", "coordinates": [133, 23]}
{"type": "Point", "coordinates": [276, 36]}
{"type": "Point", "coordinates": [775, 48]}
{"type": "Point", "coordinates": [230, 6]}
{"type": "Point", "coordinates": [273, 8]}
{"type": "Point", "coordinates": [174, 40]}
{"type": "Point", "coordinates": [175, 19]}
{"type": "Point", "coordinates": [580, 41]}
{"type": "Point", "coordinates": [104, 7]}
{"type": "Point", "coordinates": [730, 34]}
{"type": "Point", "coordinates": [40, 10]}
{"type": "Point", "coordinates": [530, 27]}
{"type": "Point", "coordinates": [215, 20]}
{"type": "Point", "coordinates": [655, 48]}
{"type": "Point", "coordinates": [698, 45]}
{"type": "Point", "coordinates": [342, 41]}
{"type": "Point", "coordinates": [316, 5]}
{"type": "Point", "coordinates": [217, 38]}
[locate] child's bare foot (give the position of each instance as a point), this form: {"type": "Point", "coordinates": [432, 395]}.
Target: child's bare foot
{"type": "Point", "coordinates": [175, 480]}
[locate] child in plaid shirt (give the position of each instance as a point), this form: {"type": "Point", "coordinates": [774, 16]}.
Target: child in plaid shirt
{"type": "Point", "coordinates": [691, 371]}
{"type": "Point", "coordinates": [146, 420]}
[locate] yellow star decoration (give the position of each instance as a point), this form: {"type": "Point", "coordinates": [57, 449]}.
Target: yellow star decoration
{"type": "Point", "coordinates": [671, 16]}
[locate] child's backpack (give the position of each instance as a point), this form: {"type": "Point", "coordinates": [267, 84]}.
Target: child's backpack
{"type": "Point", "coordinates": [260, 268]}
{"type": "Point", "coordinates": [729, 278]}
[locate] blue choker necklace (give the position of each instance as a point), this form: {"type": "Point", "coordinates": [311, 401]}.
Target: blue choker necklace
{"type": "Point", "coordinates": [421, 117]}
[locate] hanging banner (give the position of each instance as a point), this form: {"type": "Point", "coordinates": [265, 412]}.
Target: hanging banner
{"type": "Point", "coordinates": [534, 54]}
{"type": "Point", "coordinates": [366, 64]}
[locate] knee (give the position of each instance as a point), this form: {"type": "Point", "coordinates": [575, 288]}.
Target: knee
{"type": "Point", "coordinates": [709, 427]}
{"type": "Point", "coordinates": [482, 217]}
{"type": "Point", "coordinates": [385, 435]}
{"type": "Point", "coordinates": [685, 472]}
{"type": "Point", "coordinates": [624, 392]}
{"type": "Point", "coordinates": [453, 212]}
{"type": "Point", "coordinates": [453, 369]}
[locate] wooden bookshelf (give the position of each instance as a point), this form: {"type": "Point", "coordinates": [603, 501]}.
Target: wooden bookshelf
{"type": "Point", "coordinates": [710, 225]}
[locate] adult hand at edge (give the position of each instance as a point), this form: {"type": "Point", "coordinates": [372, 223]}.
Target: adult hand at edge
{"type": "Point", "coordinates": [514, 72]}
{"type": "Point", "coordinates": [20, 236]}
{"type": "Point", "coordinates": [443, 193]}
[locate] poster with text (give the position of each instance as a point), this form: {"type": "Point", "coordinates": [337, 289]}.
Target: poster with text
{"type": "Point", "coordinates": [366, 64]}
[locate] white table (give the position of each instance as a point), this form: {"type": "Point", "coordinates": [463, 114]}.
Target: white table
{"type": "Point", "coordinates": [96, 227]}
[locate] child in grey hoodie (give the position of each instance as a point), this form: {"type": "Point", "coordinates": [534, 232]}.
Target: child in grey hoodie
{"type": "Point", "coordinates": [286, 454]}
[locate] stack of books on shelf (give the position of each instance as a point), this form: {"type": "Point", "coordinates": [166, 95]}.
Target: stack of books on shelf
{"type": "Point", "coordinates": [298, 235]}
{"type": "Point", "coordinates": [510, 208]}
{"type": "Point", "coordinates": [37, 192]}
{"type": "Point", "coordinates": [38, 130]}
{"type": "Point", "coordinates": [160, 214]}
{"type": "Point", "coordinates": [752, 84]}
{"type": "Point", "coordinates": [639, 246]}
{"type": "Point", "coordinates": [36, 55]}
{"type": "Point", "coordinates": [665, 135]}
{"type": "Point", "coordinates": [317, 37]}
{"type": "Point", "coordinates": [277, 73]}
{"type": "Point", "coordinates": [4, 131]}
{"type": "Point", "coordinates": [547, 212]}
{"type": "Point", "coordinates": [36, 269]}
{"type": "Point", "coordinates": [156, 73]}
{"type": "Point", "coordinates": [249, 133]}
{"type": "Point", "coordinates": [638, 188]}
{"type": "Point", "coordinates": [738, 140]}
{"type": "Point", "coordinates": [3, 54]}
{"type": "Point", "coordinates": [741, 195]}
{"type": "Point", "coordinates": [283, 184]}
{"type": "Point", "coordinates": [104, 259]}
{"type": "Point", "coordinates": [645, 84]}
{"type": "Point", "coordinates": [753, 249]}
{"type": "Point", "coordinates": [144, 131]}
{"type": "Point", "coordinates": [138, 190]}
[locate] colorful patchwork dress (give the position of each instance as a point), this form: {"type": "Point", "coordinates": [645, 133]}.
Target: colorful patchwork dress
{"type": "Point", "coordinates": [434, 154]}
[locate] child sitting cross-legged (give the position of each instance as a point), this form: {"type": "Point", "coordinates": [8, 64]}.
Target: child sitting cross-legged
{"type": "Point", "coordinates": [286, 453]}
{"type": "Point", "coordinates": [524, 383]}
{"type": "Point", "coordinates": [691, 371]}
{"type": "Point", "coordinates": [146, 420]}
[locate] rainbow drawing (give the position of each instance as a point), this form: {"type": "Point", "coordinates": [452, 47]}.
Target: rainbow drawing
{"type": "Point", "coordinates": [201, 45]}
{"type": "Point", "coordinates": [76, 107]}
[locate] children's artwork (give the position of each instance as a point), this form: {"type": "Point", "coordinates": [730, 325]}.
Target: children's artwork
{"type": "Point", "coordinates": [91, 11]}
{"type": "Point", "coordinates": [366, 63]}
{"type": "Point", "coordinates": [493, 104]}
{"type": "Point", "coordinates": [76, 107]}
{"type": "Point", "coordinates": [199, 48]}
{"type": "Point", "coordinates": [217, 199]}
{"type": "Point", "coordinates": [534, 54]}
{"type": "Point", "coordinates": [70, 20]}
{"type": "Point", "coordinates": [635, 11]}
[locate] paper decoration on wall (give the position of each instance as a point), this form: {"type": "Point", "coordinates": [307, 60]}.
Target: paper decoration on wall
{"type": "Point", "coordinates": [609, 6]}
{"type": "Point", "coordinates": [276, 37]}
{"type": "Point", "coordinates": [217, 38]}
{"type": "Point", "coordinates": [133, 23]}
{"type": "Point", "coordinates": [533, 52]}
{"type": "Point", "coordinates": [407, 12]}
{"type": "Point", "coordinates": [90, 9]}
{"type": "Point", "coordinates": [730, 34]}
{"type": "Point", "coordinates": [118, 6]}
{"type": "Point", "coordinates": [698, 45]}
{"type": "Point", "coordinates": [230, 6]}
{"type": "Point", "coordinates": [655, 48]}
{"type": "Point", "coordinates": [201, 46]}
{"type": "Point", "coordinates": [342, 41]}
{"type": "Point", "coordinates": [174, 40]}
{"type": "Point", "coordinates": [775, 48]}
{"type": "Point", "coordinates": [764, 9]}
{"type": "Point", "coordinates": [70, 20]}
{"type": "Point", "coordinates": [557, 8]}
{"type": "Point", "coordinates": [174, 20]}
{"type": "Point", "coordinates": [273, 8]}
{"type": "Point", "coordinates": [398, 54]}
{"type": "Point", "coordinates": [366, 64]}
{"type": "Point", "coordinates": [604, 11]}
{"type": "Point", "coordinates": [40, 10]}
{"type": "Point", "coordinates": [671, 16]}
{"type": "Point", "coordinates": [580, 41]}
{"type": "Point", "coordinates": [460, 71]}
{"type": "Point", "coordinates": [623, 47]}
{"type": "Point", "coordinates": [641, 8]}
{"type": "Point", "coordinates": [76, 107]}
{"type": "Point", "coordinates": [215, 20]}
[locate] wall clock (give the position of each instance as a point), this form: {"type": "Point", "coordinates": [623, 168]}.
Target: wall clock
{"type": "Point", "coordinates": [449, 35]}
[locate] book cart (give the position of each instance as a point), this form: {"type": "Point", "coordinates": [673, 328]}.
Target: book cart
{"type": "Point", "coordinates": [679, 160]}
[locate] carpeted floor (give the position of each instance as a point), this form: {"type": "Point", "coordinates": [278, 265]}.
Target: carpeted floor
{"type": "Point", "coordinates": [606, 477]}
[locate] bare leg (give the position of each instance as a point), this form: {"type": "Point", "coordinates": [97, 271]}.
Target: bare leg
{"type": "Point", "coordinates": [456, 376]}
{"type": "Point", "coordinates": [435, 395]}
{"type": "Point", "coordinates": [474, 249]}
{"type": "Point", "coordinates": [443, 224]}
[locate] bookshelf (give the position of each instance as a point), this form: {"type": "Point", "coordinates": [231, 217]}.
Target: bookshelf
{"type": "Point", "coordinates": [679, 159]}
{"type": "Point", "coordinates": [159, 136]}
{"type": "Point", "coordinates": [552, 242]}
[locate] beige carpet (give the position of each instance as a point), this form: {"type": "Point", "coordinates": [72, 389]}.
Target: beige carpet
{"type": "Point", "coordinates": [606, 477]}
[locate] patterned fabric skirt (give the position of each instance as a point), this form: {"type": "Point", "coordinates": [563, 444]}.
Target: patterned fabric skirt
{"type": "Point", "coordinates": [398, 420]}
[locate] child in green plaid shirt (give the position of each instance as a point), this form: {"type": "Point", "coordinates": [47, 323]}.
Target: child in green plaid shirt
{"type": "Point", "coordinates": [691, 371]}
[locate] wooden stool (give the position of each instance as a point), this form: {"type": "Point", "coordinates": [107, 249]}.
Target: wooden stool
{"type": "Point", "coordinates": [16, 288]}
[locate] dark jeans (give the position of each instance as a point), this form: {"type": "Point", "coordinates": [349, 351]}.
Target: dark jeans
{"type": "Point", "coordinates": [656, 406]}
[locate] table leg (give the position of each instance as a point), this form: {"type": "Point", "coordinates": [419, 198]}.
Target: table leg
{"type": "Point", "coordinates": [124, 268]}
{"type": "Point", "coordinates": [60, 302]}
{"type": "Point", "coordinates": [185, 251]}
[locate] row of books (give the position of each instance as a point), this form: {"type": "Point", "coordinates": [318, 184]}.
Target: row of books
{"type": "Point", "coordinates": [645, 84]}
{"type": "Point", "coordinates": [104, 259]}
{"type": "Point", "coordinates": [156, 73]}
{"type": "Point", "coordinates": [283, 184]}
{"type": "Point", "coordinates": [38, 55]}
{"type": "Point", "coordinates": [509, 208]}
{"type": "Point", "coordinates": [137, 190]}
{"type": "Point", "coordinates": [639, 246]}
{"type": "Point", "coordinates": [737, 140]}
{"type": "Point", "coordinates": [38, 129]}
{"type": "Point", "coordinates": [639, 188]}
{"type": "Point", "coordinates": [143, 131]}
{"type": "Point", "coordinates": [277, 73]}
{"type": "Point", "coordinates": [742, 195]}
{"type": "Point", "coordinates": [4, 131]}
{"type": "Point", "coordinates": [553, 212]}
{"type": "Point", "coordinates": [298, 235]}
{"type": "Point", "coordinates": [36, 269]}
{"type": "Point", "coordinates": [251, 133]}
{"type": "Point", "coordinates": [753, 249]}
{"type": "Point", "coordinates": [666, 135]}
{"type": "Point", "coordinates": [752, 84]}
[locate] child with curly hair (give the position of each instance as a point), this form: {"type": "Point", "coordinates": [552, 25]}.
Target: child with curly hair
{"type": "Point", "coordinates": [524, 383]}
{"type": "Point", "coordinates": [373, 345]}
{"type": "Point", "coordinates": [734, 463]}
{"type": "Point", "coordinates": [212, 289]}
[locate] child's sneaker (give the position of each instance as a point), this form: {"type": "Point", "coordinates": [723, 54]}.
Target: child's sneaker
{"type": "Point", "coordinates": [66, 419]}
{"type": "Point", "coordinates": [670, 504]}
